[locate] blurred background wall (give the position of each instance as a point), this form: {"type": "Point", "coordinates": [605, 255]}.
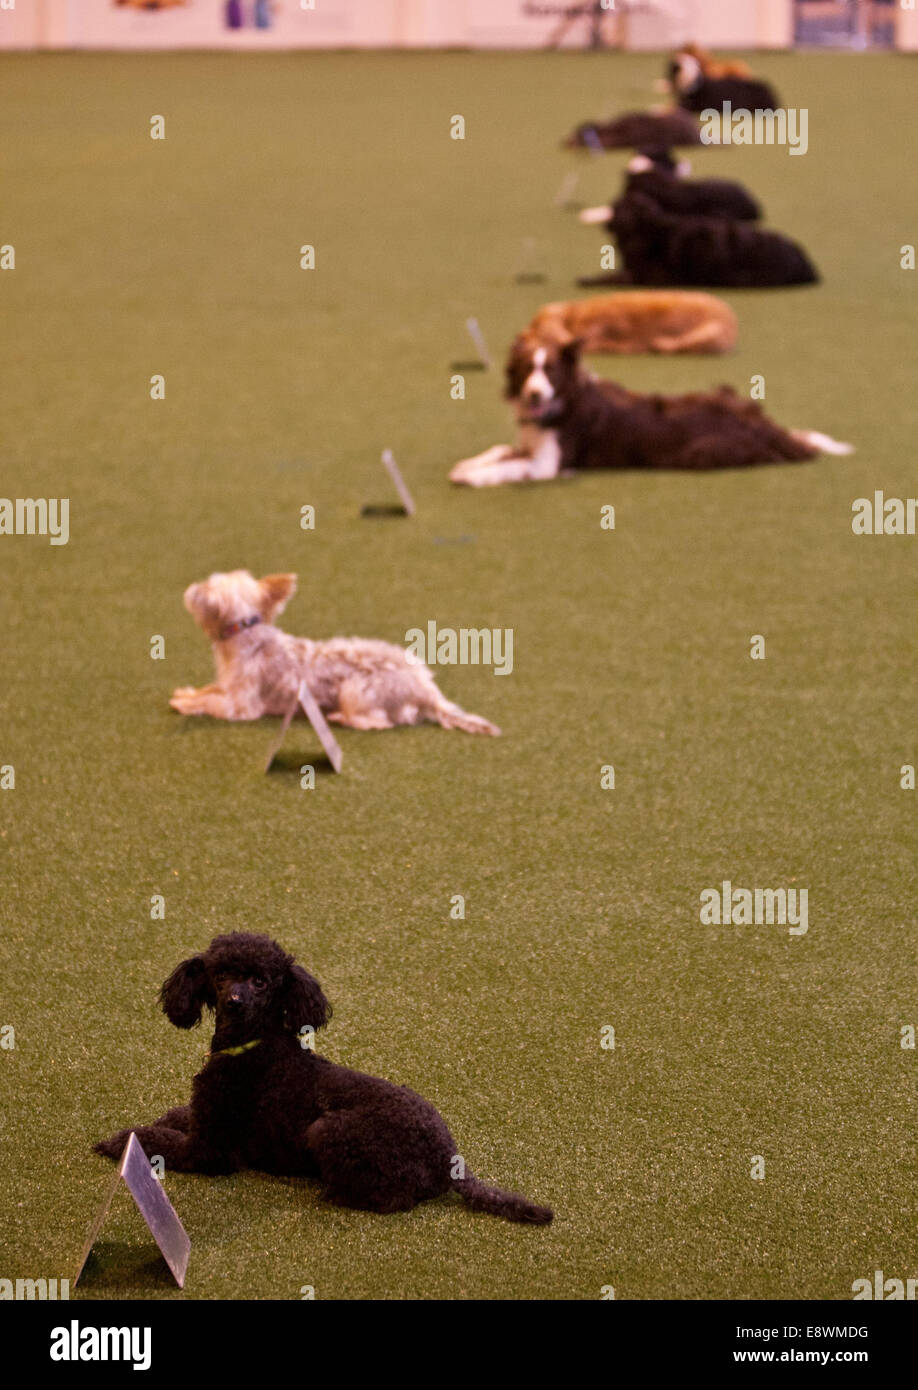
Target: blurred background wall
{"type": "Point", "coordinates": [637, 24]}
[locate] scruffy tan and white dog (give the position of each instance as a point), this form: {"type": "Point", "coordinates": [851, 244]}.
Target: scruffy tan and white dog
{"type": "Point", "coordinates": [355, 681]}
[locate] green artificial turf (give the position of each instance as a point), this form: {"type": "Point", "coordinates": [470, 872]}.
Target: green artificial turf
{"type": "Point", "coordinates": [181, 257]}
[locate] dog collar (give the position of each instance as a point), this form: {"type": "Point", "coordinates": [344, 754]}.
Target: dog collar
{"type": "Point", "coordinates": [235, 1051]}
{"type": "Point", "coordinates": [233, 628]}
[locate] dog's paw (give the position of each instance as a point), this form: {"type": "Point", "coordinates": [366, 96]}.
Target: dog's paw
{"type": "Point", "coordinates": [487, 477]}
{"type": "Point", "coordinates": [466, 470]}
{"type": "Point", "coordinates": [184, 699]}
{"type": "Point", "coordinates": [461, 472]}
{"type": "Point", "coordinates": [471, 478]}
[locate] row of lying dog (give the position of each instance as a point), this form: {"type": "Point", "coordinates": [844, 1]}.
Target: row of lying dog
{"type": "Point", "coordinates": [672, 232]}
{"type": "Point", "coordinates": [263, 1099]}
{"type": "Point", "coordinates": [697, 83]}
{"type": "Point", "coordinates": [567, 421]}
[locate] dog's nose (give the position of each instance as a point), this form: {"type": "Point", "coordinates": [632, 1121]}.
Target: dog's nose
{"type": "Point", "coordinates": [234, 999]}
{"type": "Point", "coordinates": [534, 398]}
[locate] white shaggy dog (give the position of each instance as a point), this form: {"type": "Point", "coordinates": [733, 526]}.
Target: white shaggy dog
{"type": "Point", "coordinates": [355, 681]}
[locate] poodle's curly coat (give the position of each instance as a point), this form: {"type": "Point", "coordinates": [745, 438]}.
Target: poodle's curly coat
{"type": "Point", "coordinates": [266, 1101]}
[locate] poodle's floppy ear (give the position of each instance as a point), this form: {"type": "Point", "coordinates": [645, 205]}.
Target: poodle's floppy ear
{"type": "Point", "coordinates": [185, 993]}
{"type": "Point", "coordinates": [276, 590]}
{"type": "Point", "coordinates": [304, 1003]}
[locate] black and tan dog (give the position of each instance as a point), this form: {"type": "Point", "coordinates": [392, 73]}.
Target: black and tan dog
{"type": "Point", "coordinates": [567, 421]}
{"type": "Point", "coordinates": [696, 89]}
{"type": "Point", "coordinates": [665, 248]}
{"type": "Point", "coordinates": [710, 66]}
{"type": "Point", "coordinates": [264, 1099]}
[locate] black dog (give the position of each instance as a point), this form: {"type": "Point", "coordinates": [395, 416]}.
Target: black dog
{"type": "Point", "coordinates": [662, 248]}
{"type": "Point", "coordinates": [265, 1100]}
{"type": "Point", "coordinates": [638, 129]}
{"type": "Point", "coordinates": [696, 92]}
{"type": "Point", "coordinates": [658, 176]}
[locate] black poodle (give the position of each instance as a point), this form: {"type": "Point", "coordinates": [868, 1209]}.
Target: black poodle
{"type": "Point", "coordinates": [265, 1100]}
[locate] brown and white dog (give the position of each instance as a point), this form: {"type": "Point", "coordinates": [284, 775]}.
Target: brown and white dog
{"type": "Point", "coordinates": [355, 681]}
{"type": "Point", "coordinates": [640, 321]}
{"type": "Point", "coordinates": [568, 421]}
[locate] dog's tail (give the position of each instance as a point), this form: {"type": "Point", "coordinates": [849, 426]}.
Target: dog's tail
{"type": "Point", "coordinates": [822, 443]}
{"type": "Point", "coordinates": [450, 716]}
{"type": "Point", "coordinates": [494, 1200]}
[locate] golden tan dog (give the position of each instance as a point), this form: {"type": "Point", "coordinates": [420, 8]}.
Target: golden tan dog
{"type": "Point", "coordinates": [640, 321]}
{"type": "Point", "coordinates": [355, 681]}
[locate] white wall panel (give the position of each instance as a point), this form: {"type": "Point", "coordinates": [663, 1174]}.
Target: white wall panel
{"type": "Point", "coordinates": [654, 24]}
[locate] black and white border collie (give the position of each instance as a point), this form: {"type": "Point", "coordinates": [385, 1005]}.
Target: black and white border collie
{"type": "Point", "coordinates": [568, 421]}
{"type": "Point", "coordinates": [694, 91]}
{"type": "Point", "coordinates": [659, 177]}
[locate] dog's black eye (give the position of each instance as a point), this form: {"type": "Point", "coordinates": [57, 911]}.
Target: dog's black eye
{"type": "Point", "coordinates": [258, 982]}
